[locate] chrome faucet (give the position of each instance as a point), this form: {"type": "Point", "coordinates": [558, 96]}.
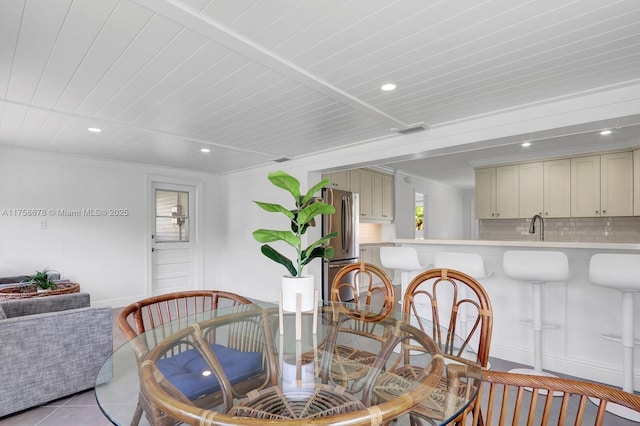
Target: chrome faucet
{"type": "Point", "coordinates": [532, 227]}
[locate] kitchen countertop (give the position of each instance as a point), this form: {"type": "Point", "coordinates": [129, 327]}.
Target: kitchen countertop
{"type": "Point", "coordinates": [376, 243]}
{"type": "Point", "coordinates": [528, 244]}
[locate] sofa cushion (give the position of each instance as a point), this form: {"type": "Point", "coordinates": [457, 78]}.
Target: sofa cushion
{"type": "Point", "coordinates": [2, 314]}
{"type": "Point", "coordinates": [184, 370]}
{"type": "Point", "coordinates": [38, 305]}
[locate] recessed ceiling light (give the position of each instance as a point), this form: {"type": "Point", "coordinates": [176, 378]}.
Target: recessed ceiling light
{"type": "Point", "coordinates": [605, 132]}
{"type": "Point", "coordinates": [205, 150]}
{"type": "Point", "coordinates": [94, 130]}
{"type": "Point", "coordinates": [526, 144]}
{"type": "Point", "coordinates": [388, 87]}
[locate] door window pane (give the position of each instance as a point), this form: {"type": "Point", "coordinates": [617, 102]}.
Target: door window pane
{"type": "Point", "coordinates": [172, 216]}
{"type": "Point", "coordinates": [419, 215]}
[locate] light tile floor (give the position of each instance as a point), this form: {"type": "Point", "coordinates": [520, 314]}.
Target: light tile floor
{"type": "Point", "coordinates": [82, 409]}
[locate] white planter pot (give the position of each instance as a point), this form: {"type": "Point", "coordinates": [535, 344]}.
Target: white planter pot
{"type": "Point", "coordinates": [293, 285]}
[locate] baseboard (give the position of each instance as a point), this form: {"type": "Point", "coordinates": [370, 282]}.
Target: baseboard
{"type": "Point", "coordinates": [566, 366]}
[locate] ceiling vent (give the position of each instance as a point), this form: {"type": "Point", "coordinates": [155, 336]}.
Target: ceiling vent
{"type": "Point", "coordinates": [281, 159]}
{"type": "Point", "coordinates": [411, 128]}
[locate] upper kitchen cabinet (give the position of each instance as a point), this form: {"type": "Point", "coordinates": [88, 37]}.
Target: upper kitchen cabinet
{"type": "Point", "coordinates": [545, 188]}
{"type": "Point", "coordinates": [531, 190]}
{"type": "Point", "coordinates": [339, 180]}
{"type": "Point", "coordinates": [507, 190]}
{"type": "Point", "coordinates": [383, 196]}
{"type": "Point", "coordinates": [362, 183]}
{"type": "Point", "coordinates": [497, 192]}
{"type": "Point", "coordinates": [602, 185]}
{"type": "Point", "coordinates": [486, 193]}
{"type": "Point", "coordinates": [585, 186]}
{"type": "Point", "coordinates": [557, 188]}
{"type": "Point", "coordinates": [376, 195]}
{"type": "Point", "coordinates": [616, 184]}
{"type": "Point", "coordinates": [636, 182]}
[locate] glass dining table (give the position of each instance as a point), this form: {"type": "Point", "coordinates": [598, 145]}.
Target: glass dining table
{"type": "Point", "coordinates": [242, 366]}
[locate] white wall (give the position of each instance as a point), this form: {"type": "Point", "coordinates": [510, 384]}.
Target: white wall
{"type": "Point", "coordinates": [444, 207]}
{"type": "Point", "coordinates": [107, 255]}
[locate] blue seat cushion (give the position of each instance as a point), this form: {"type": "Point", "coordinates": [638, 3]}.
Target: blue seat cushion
{"type": "Point", "coordinates": [184, 370]}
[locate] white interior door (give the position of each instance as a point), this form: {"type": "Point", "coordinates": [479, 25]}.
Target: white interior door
{"type": "Point", "coordinates": [173, 236]}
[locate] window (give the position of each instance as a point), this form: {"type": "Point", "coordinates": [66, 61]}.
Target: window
{"type": "Point", "coordinates": [419, 215]}
{"type": "Point", "coordinates": [172, 216]}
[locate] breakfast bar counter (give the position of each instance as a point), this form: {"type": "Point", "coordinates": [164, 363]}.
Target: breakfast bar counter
{"type": "Point", "coordinates": [576, 313]}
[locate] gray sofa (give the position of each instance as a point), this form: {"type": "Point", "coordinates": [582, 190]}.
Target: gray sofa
{"type": "Point", "coordinates": [50, 347]}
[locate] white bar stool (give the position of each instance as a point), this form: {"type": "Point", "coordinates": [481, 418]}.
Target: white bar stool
{"type": "Point", "coordinates": [469, 263]}
{"type": "Point", "coordinates": [620, 272]}
{"type": "Point", "coordinates": [404, 259]}
{"type": "Point", "coordinates": [537, 267]}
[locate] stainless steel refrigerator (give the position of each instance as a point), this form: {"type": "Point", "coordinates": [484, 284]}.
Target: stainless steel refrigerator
{"type": "Point", "coordinates": [346, 245]}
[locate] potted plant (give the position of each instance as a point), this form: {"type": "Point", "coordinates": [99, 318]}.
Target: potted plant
{"type": "Point", "coordinates": [307, 207]}
{"type": "Point", "coordinates": [39, 281]}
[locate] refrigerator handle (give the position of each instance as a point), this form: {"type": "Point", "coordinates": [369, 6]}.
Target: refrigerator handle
{"type": "Point", "coordinates": [329, 200]}
{"type": "Point", "coordinates": [347, 231]}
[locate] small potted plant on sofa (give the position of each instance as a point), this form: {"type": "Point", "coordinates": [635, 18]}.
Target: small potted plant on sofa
{"type": "Point", "coordinates": [40, 281]}
{"type": "Point", "coordinates": [307, 207]}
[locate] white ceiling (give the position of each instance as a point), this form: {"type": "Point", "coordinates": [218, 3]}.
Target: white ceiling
{"type": "Point", "coordinates": [256, 80]}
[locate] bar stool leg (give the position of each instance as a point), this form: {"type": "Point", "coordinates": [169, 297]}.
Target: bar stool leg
{"type": "Point", "coordinates": [537, 327]}
{"type": "Point", "coordinates": [537, 333]}
{"type": "Point", "coordinates": [627, 362]}
{"type": "Point", "coordinates": [537, 339]}
{"type": "Point", "coordinates": [627, 340]}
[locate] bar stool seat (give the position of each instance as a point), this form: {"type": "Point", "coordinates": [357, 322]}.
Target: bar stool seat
{"type": "Point", "coordinates": [620, 272]}
{"type": "Point", "coordinates": [404, 259]}
{"type": "Point", "coordinates": [471, 264]}
{"type": "Point", "coordinates": [538, 268]}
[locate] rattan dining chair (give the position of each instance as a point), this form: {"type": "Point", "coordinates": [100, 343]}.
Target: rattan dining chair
{"type": "Point", "coordinates": [373, 300]}
{"type": "Point", "coordinates": [433, 301]}
{"type": "Point", "coordinates": [506, 399]}
{"type": "Point", "coordinates": [149, 321]}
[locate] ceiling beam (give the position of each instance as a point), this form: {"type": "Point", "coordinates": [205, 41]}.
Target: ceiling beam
{"type": "Point", "coordinates": [218, 33]}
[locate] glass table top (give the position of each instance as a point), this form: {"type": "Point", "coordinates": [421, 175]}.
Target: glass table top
{"type": "Point", "coordinates": [348, 368]}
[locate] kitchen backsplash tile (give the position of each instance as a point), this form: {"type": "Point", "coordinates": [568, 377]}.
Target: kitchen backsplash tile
{"type": "Point", "coordinates": [578, 229]}
{"type": "Point", "coordinates": [370, 232]}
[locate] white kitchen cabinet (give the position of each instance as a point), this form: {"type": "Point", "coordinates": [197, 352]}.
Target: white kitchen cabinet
{"type": "Point", "coordinates": [602, 185]}
{"type": "Point", "coordinates": [585, 186]}
{"type": "Point", "coordinates": [382, 197]}
{"type": "Point", "coordinates": [362, 183]}
{"type": "Point", "coordinates": [497, 192]}
{"type": "Point", "coordinates": [376, 194]}
{"type": "Point", "coordinates": [507, 190]}
{"type": "Point", "coordinates": [557, 188]}
{"type": "Point", "coordinates": [531, 190]}
{"type": "Point", "coordinates": [388, 197]}
{"type": "Point", "coordinates": [545, 189]}
{"type": "Point", "coordinates": [636, 182]}
{"type": "Point", "coordinates": [339, 180]}
{"type": "Point", "coordinates": [616, 184]}
{"type": "Point", "coordinates": [486, 193]}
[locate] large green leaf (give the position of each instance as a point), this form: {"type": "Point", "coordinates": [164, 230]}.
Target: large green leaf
{"type": "Point", "coordinates": [274, 255]}
{"type": "Point", "coordinates": [321, 241]}
{"type": "Point", "coordinates": [311, 211]}
{"type": "Point", "coordinates": [317, 187]}
{"type": "Point", "coordinates": [324, 252]}
{"type": "Point", "coordinates": [286, 181]}
{"type": "Point", "coordinates": [275, 208]}
{"type": "Point", "coordinates": [270, 235]}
